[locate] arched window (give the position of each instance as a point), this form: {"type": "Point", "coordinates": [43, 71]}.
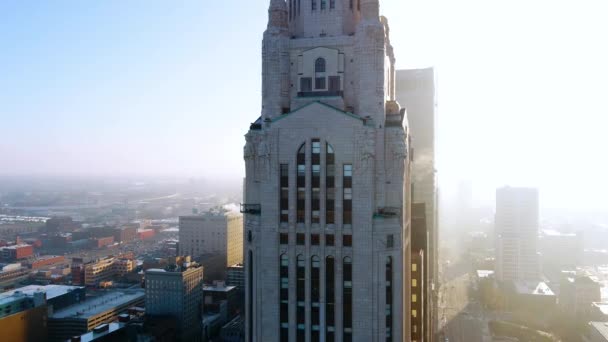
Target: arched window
{"type": "Point", "coordinates": [301, 298]}
{"type": "Point", "coordinates": [320, 65]}
{"type": "Point", "coordinates": [330, 299]}
{"type": "Point", "coordinates": [301, 184]}
{"type": "Point", "coordinates": [347, 299]}
{"type": "Point", "coordinates": [330, 191]}
{"type": "Point", "coordinates": [315, 298]}
{"type": "Point", "coordinates": [284, 297]}
{"type": "Point", "coordinates": [315, 175]}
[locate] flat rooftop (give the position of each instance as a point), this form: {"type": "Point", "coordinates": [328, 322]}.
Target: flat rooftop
{"type": "Point", "coordinates": [533, 288]}
{"type": "Point", "coordinates": [51, 291]}
{"type": "Point", "coordinates": [7, 299]}
{"type": "Point", "coordinates": [92, 336]}
{"type": "Point", "coordinates": [484, 273]}
{"type": "Point", "coordinates": [601, 327]}
{"type": "Point", "coordinates": [96, 305]}
{"type": "Point", "coordinates": [218, 288]}
{"type": "Point", "coordinates": [16, 246]}
{"type": "Point", "coordinates": [602, 306]}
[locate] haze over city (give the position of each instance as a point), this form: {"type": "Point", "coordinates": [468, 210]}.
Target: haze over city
{"type": "Point", "coordinates": [157, 88]}
{"type": "Point", "coordinates": [303, 170]}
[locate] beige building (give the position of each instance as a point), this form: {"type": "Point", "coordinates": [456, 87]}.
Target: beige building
{"type": "Point", "coordinates": [327, 210]}
{"type": "Point", "coordinates": [216, 232]}
{"type": "Point", "coordinates": [416, 91]}
{"type": "Point", "coordinates": [106, 269]}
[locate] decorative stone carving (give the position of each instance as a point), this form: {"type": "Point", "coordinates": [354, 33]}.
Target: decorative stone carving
{"type": "Point", "coordinates": [248, 150]}
{"type": "Point", "coordinates": [397, 153]}
{"type": "Point", "coordinates": [263, 159]}
{"type": "Point", "coordinates": [369, 145]}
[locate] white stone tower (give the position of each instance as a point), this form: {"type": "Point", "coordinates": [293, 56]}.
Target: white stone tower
{"type": "Point", "coordinates": [327, 180]}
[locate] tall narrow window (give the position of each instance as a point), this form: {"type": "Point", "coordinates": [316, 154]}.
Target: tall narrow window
{"type": "Point", "coordinates": [330, 192]}
{"type": "Point", "coordinates": [347, 300]}
{"type": "Point", "coordinates": [315, 298]}
{"type": "Point", "coordinates": [250, 299]}
{"type": "Point", "coordinates": [301, 299]}
{"type": "Point", "coordinates": [320, 67]}
{"type": "Point", "coordinates": [389, 299]}
{"type": "Point", "coordinates": [284, 193]}
{"type": "Point", "coordinates": [332, 4]}
{"type": "Point", "coordinates": [347, 183]}
{"type": "Point", "coordinates": [323, 4]}
{"type": "Point", "coordinates": [314, 4]}
{"type": "Point", "coordinates": [299, 6]}
{"type": "Point", "coordinates": [284, 297]}
{"type": "Point", "coordinates": [330, 299]}
{"type": "Point", "coordinates": [301, 184]}
{"type": "Point", "coordinates": [316, 180]}
{"type": "Point", "coordinates": [351, 4]}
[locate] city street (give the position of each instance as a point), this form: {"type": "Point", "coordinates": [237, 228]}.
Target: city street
{"type": "Point", "coordinates": [461, 319]}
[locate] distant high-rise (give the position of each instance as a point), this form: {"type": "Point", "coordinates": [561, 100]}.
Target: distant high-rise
{"type": "Point", "coordinates": [215, 238]}
{"type": "Point", "coordinates": [516, 228]}
{"type": "Point", "coordinates": [177, 291]}
{"type": "Point", "coordinates": [416, 91]}
{"type": "Point", "coordinates": [327, 181]}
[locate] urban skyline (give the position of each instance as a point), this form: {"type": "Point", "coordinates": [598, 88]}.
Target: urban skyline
{"type": "Point", "coordinates": [480, 73]}
{"type": "Point", "coordinates": [303, 171]}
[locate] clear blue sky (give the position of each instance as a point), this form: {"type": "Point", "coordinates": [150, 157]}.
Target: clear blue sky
{"type": "Point", "coordinates": [169, 87]}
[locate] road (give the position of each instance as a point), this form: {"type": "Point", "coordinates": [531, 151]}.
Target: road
{"type": "Point", "coordinates": [461, 318]}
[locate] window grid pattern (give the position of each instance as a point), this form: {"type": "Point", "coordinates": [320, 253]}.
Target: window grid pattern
{"type": "Point", "coordinates": [284, 297]}
{"type": "Point", "coordinates": [316, 181]}
{"type": "Point", "coordinates": [330, 299]}
{"type": "Point", "coordinates": [347, 183]}
{"type": "Point", "coordinates": [301, 184]}
{"type": "Point", "coordinates": [330, 183]}
{"type": "Point", "coordinates": [347, 299]}
{"type": "Point", "coordinates": [315, 298]}
{"type": "Point", "coordinates": [284, 198]}
{"type": "Point", "coordinates": [389, 299]}
{"type": "Point", "coordinates": [301, 298]}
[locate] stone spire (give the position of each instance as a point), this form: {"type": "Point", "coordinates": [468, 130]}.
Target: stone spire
{"type": "Point", "coordinates": [277, 14]}
{"type": "Point", "coordinates": [370, 9]}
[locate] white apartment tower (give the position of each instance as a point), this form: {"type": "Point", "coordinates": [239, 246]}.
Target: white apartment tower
{"type": "Point", "coordinates": [516, 228]}
{"type": "Point", "coordinates": [327, 181]}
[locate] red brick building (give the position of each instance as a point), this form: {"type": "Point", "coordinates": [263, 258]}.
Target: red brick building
{"type": "Point", "coordinates": [47, 261]}
{"type": "Point", "coordinates": [146, 234]}
{"type": "Point", "coordinates": [103, 241]}
{"type": "Point", "coordinates": [17, 252]}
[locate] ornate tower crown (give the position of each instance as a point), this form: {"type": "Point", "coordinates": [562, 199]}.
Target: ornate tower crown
{"type": "Point", "coordinates": [277, 14]}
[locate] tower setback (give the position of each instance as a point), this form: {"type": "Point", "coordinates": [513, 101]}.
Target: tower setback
{"type": "Point", "coordinates": [327, 236]}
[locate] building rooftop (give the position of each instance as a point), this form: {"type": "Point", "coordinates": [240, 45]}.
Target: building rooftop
{"type": "Point", "coordinates": [51, 291]}
{"type": "Point", "coordinates": [553, 232]}
{"type": "Point", "coordinates": [533, 288]}
{"type": "Point", "coordinates": [484, 273]}
{"type": "Point", "coordinates": [602, 306]}
{"type": "Point", "coordinates": [216, 288]}
{"type": "Point", "coordinates": [16, 246]}
{"type": "Point", "coordinates": [93, 336]}
{"type": "Point", "coordinates": [600, 327]}
{"type": "Point", "coordinates": [97, 305]}
{"type": "Point", "coordinates": [7, 299]}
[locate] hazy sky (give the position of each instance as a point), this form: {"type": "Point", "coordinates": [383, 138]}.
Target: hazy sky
{"type": "Point", "coordinates": [170, 87]}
